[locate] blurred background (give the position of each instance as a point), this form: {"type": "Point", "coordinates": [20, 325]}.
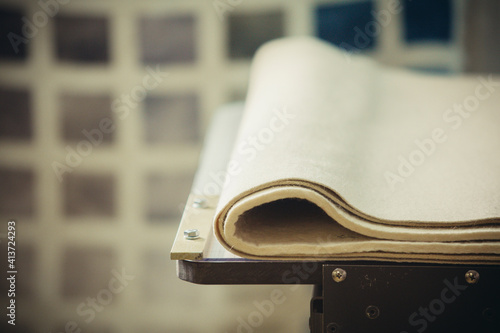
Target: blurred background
{"type": "Point", "coordinates": [103, 107]}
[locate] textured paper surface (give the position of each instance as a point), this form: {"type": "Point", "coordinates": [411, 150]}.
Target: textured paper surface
{"type": "Point", "coordinates": [396, 163]}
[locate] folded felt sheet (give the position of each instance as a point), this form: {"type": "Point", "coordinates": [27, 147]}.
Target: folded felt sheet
{"type": "Point", "coordinates": [340, 157]}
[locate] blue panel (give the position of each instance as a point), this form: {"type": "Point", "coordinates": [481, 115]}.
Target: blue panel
{"type": "Point", "coordinates": [427, 20]}
{"type": "Point", "coordinates": [351, 26]}
{"type": "Point", "coordinates": [432, 70]}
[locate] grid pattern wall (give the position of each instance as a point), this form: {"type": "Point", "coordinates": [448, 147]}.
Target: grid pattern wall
{"type": "Point", "coordinates": [104, 105]}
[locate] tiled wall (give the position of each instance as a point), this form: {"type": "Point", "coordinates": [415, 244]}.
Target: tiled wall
{"type": "Point", "coordinates": [103, 106]}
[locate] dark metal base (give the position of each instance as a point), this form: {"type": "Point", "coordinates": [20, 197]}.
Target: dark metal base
{"type": "Point", "coordinates": [374, 296]}
{"type": "Point", "coordinates": [407, 299]}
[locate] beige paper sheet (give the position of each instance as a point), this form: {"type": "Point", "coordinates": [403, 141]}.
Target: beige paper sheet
{"type": "Point", "coordinates": [340, 157]}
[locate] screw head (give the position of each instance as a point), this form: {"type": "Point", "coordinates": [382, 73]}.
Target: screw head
{"type": "Point", "coordinates": [191, 234]}
{"type": "Point", "coordinates": [472, 276]}
{"type": "Point", "coordinates": [339, 275]}
{"type": "Point", "coordinates": [332, 328]}
{"type": "Point", "coordinates": [372, 312]}
{"type": "Point", "coordinates": [489, 314]}
{"type": "Point", "coordinates": [200, 203]}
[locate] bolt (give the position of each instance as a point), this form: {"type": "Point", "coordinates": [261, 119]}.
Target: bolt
{"type": "Point", "coordinates": [200, 203]}
{"type": "Point", "coordinates": [489, 314]}
{"type": "Point", "coordinates": [332, 328]}
{"type": "Point", "coordinates": [339, 275]}
{"type": "Point", "coordinates": [191, 234]}
{"type": "Point", "coordinates": [372, 312]}
{"type": "Point", "coordinates": [472, 277]}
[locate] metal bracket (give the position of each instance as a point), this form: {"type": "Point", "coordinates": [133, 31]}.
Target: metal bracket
{"type": "Point", "coordinates": [197, 219]}
{"type": "Point", "coordinates": [407, 299]}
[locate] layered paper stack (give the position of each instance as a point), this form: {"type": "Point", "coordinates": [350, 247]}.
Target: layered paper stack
{"type": "Point", "coordinates": [340, 157]}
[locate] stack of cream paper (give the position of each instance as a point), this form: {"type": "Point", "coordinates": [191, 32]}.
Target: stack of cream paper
{"type": "Point", "coordinates": [340, 157]}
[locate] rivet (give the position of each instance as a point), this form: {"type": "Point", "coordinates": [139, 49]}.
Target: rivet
{"type": "Point", "coordinates": [472, 276]}
{"type": "Point", "coordinates": [191, 234]}
{"type": "Point", "coordinates": [200, 203]}
{"type": "Point", "coordinates": [339, 275]}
